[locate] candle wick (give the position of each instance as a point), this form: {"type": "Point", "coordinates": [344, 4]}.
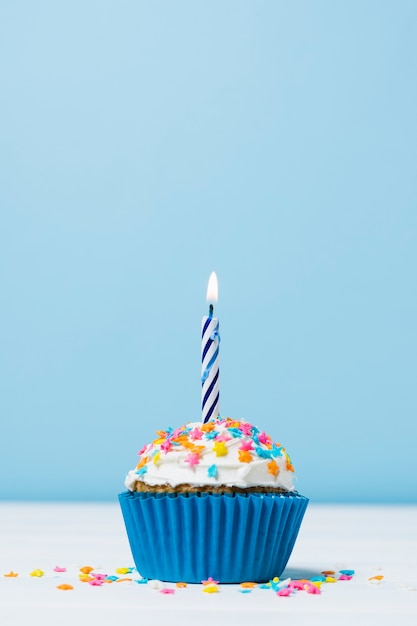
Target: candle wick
{"type": "Point", "coordinates": [211, 310]}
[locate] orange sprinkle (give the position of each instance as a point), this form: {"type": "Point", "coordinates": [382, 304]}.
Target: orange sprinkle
{"type": "Point", "coordinates": [11, 575]}
{"type": "Point", "coordinates": [245, 456]}
{"type": "Point", "coordinates": [65, 587]}
{"type": "Point", "coordinates": [379, 577]}
{"type": "Point", "coordinates": [207, 427]}
{"type": "Point", "coordinates": [273, 468]}
{"type": "Point", "coordinates": [86, 569]}
{"type": "Point", "coordinates": [180, 584]}
{"type": "Point", "coordinates": [123, 580]}
{"type": "Point", "coordinates": [248, 585]}
{"type": "Point", "coordinates": [328, 572]}
{"type": "Point", "coordinates": [85, 578]}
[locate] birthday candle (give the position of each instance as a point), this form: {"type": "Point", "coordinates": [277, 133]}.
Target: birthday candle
{"type": "Point", "coordinates": [210, 340]}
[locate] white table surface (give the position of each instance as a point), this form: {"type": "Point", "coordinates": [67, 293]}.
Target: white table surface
{"type": "Point", "coordinates": [372, 540]}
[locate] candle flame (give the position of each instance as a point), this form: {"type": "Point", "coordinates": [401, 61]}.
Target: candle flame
{"type": "Point", "coordinates": [213, 288]}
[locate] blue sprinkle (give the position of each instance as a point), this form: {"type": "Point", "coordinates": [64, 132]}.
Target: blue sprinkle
{"type": "Point", "coordinates": [112, 578]}
{"type": "Point", "coordinates": [245, 590]}
{"type": "Point", "coordinates": [347, 572]}
{"type": "Point", "coordinates": [264, 586]}
{"type": "Point", "coordinates": [321, 579]}
{"type": "Point", "coordinates": [141, 581]}
{"type": "Point", "coordinates": [265, 454]}
{"type": "Point", "coordinates": [211, 435]}
{"type": "Point", "coordinates": [276, 450]}
{"type": "Point", "coordinates": [142, 470]}
{"type": "Point", "coordinates": [235, 432]}
{"type": "Point", "coordinates": [212, 471]}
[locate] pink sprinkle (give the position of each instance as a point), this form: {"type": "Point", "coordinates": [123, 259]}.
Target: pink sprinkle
{"type": "Point", "coordinates": [95, 582]}
{"type": "Point", "coordinates": [296, 584]}
{"type": "Point", "coordinates": [310, 588]}
{"type": "Point", "coordinates": [193, 459]}
{"type": "Point", "coordinates": [167, 591]}
{"type": "Point", "coordinates": [345, 577]}
{"type": "Point", "coordinates": [196, 434]}
{"type": "Point", "coordinates": [166, 446]}
{"type": "Point", "coordinates": [264, 438]}
{"type": "Point", "coordinates": [60, 569]}
{"type": "Point", "coordinates": [246, 445]}
{"type": "Point", "coordinates": [223, 437]}
{"type": "Point", "coordinates": [284, 592]}
{"type": "Point", "coordinates": [99, 576]}
{"type": "Point", "coordinates": [210, 581]}
{"type": "Point", "coordinates": [245, 428]}
{"type": "Point", "coordinates": [142, 450]}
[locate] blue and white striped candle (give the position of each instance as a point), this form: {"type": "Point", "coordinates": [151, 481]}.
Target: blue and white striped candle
{"type": "Point", "coordinates": [210, 340]}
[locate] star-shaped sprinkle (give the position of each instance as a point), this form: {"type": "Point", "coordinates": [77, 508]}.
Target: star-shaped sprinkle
{"type": "Point", "coordinates": [210, 581]}
{"type": "Point", "coordinates": [245, 456]}
{"type": "Point", "coordinates": [246, 445]}
{"type": "Point", "coordinates": [246, 428]}
{"type": "Point", "coordinates": [192, 459]}
{"type": "Point", "coordinates": [220, 448]}
{"type": "Point", "coordinates": [273, 468]}
{"type": "Point", "coordinates": [37, 573]}
{"type": "Point", "coordinates": [166, 446]}
{"type": "Point", "coordinates": [60, 569]}
{"type": "Point", "coordinates": [196, 434]}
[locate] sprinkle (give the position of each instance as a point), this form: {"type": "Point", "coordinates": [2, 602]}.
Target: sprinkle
{"type": "Point", "coordinates": [223, 437]}
{"type": "Point", "coordinates": [321, 579]}
{"type": "Point", "coordinates": [245, 590]}
{"type": "Point", "coordinates": [246, 445]}
{"type": "Point", "coordinates": [328, 572]}
{"type": "Point", "coordinates": [11, 574]}
{"type": "Point", "coordinates": [60, 569]}
{"type": "Point", "coordinates": [211, 588]}
{"type": "Point", "coordinates": [86, 569]}
{"type": "Point", "coordinates": [111, 579]}
{"type": "Point", "coordinates": [220, 448]}
{"type": "Point", "coordinates": [85, 578]}
{"type": "Point", "coordinates": [345, 577]}
{"type": "Point", "coordinates": [273, 468]}
{"type": "Point", "coordinates": [264, 438]}
{"type": "Point", "coordinates": [376, 580]}
{"type": "Point", "coordinates": [166, 446]}
{"type": "Point", "coordinates": [95, 582]}
{"type": "Point", "coordinates": [348, 572]}
{"type": "Point", "coordinates": [210, 581]}
{"type": "Point", "coordinates": [207, 427]}
{"type": "Point", "coordinates": [284, 592]}
{"type": "Point", "coordinates": [248, 585]}
{"type": "Point", "coordinates": [180, 585]}
{"type": "Point", "coordinates": [37, 573]}
{"type": "Point", "coordinates": [124, 570]}
{"type": "Point", "coordinates": [212, 471]}
{"type": "Point", "coordinates": [312, 589]}
{"type": "Point", "coordinates": [265, 586]}
{"type": "Point", "coordinates": [156, 457]}
{"type": "Point", "coordinates": [65, 587]}
{"type": "Point", "coordinates": [196, 434]}
{"type": "Point", "coordinates": [246, 428]}
{"type": "Point", "coordinates": [245, 456]}
{"type": "Point", "coordinates": [120, 580]}
{"type": "Point", "coordinates": [193, 459]}
{"type": "Point", "coordinates": [167, 591]}
{"type": "Point", "coordinates": [141, 581]}
{"type": "Point", "coordinates": [331, 579]}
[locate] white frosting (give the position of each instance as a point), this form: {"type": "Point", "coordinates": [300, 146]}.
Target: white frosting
{"type": "Point", "coordinates": [232, 453]}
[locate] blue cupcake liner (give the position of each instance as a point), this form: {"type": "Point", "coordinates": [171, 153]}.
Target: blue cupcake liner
{"type": "Point", "coordinates": [231, 537]}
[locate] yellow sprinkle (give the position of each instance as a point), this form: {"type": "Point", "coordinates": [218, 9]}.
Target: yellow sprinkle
{"type": "Point", "coordinates": [331, 579]}
{"type": "Point", "coordinates": [220, 448]}
{"type": "Point", "coordinates": [123, 570]}
{"type": "Point", "coordinates": [156, 458]}
{"type": "Point", "coordinates": [210, 588]}
{"type": "Point", "coordinates": [37, 572]}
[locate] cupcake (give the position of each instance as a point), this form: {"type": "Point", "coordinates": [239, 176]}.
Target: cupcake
{"type": "Point", "coordinates": [212, 499]}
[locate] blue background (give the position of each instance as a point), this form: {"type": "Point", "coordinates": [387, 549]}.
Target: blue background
{"type": "Point", "coordinates": [145, 144]}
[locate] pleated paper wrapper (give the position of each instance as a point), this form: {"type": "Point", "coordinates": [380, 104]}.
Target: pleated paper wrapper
{"type": "Point", "coordinates": [231, 538]}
